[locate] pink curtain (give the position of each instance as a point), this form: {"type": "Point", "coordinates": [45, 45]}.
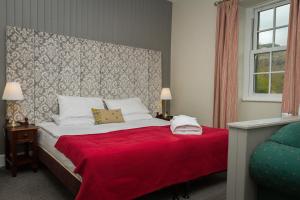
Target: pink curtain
{"type": "Point", "coordinates": [291, 88]}
{"type": "Point", "coordinates": [226, 63]}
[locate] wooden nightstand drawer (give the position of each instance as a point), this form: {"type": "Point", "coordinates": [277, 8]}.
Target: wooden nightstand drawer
{"type": "Point", "coordinates": [25, 136]}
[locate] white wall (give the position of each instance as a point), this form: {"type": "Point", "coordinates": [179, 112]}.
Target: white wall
{"type": "Point", "coordinates": [192, 58]}
{"type": "Point", "coordinates": [192, 63]}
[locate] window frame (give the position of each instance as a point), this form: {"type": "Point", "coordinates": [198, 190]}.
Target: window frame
{"type": "Point", "coordinates": [251, 35]}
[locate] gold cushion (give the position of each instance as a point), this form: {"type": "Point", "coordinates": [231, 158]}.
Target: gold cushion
{"type": "Point", "coordinates": [103, 116]}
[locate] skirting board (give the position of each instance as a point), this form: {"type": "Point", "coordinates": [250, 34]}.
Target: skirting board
{"type": "Point", "coordinates": [1, 160]}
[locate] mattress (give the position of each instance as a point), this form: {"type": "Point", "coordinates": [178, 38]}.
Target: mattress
{"type": "Point", "coordinates": [47, 141]}
{"type": "Point", "coordinates": [49, 133]}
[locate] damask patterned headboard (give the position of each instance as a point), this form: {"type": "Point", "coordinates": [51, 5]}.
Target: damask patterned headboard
{"type": "Point", "coordinates": [48, 64]}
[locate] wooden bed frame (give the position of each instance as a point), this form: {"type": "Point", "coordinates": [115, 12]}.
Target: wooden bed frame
{"type": "Point", "coordinates": [67, 178]}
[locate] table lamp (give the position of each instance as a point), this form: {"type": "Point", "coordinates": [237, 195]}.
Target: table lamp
{"type": "Point", "coordinates": [165, 96]}
{"type": "Point", "coordinates": [13, 93]}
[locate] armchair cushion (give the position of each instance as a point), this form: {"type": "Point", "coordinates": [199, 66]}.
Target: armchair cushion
{"type": "Point", "coordinates": [288, 135]}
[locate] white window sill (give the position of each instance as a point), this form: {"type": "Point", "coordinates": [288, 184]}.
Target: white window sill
{"type": "Point", "coordinates": [274, 99]}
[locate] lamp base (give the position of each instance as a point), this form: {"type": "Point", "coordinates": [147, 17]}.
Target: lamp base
{"type": "Point", "coordinates": [165, 112]}
{"type": "Point", "coordinates": [13, 124]}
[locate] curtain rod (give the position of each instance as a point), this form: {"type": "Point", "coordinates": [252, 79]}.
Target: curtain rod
{"type": "Point", "coordinates": [219, 2]}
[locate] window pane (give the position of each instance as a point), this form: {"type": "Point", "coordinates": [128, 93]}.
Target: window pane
{"type": "Point", "coordinates": [281, 35]}
{"type": "Point", "coordinates": [261, 83]}
{"type": "Point", "coordinates": [282, 15]}
{"type": "Point", "coordinates": [278, 60]}
{"type": "Point", "coordinates": [277, 83]}
{"type": "Point", "coordinates": [262, 62]}
{"type": "Point", "coordinates": [265, 39]}
{"type": "Point", "coordinates": [266, 19]}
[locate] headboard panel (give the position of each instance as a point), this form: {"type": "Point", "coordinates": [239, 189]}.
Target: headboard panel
{"type": "Point", "coordinates": [90, 56]}
{"type": "Point", "coordinates": [49, 64]}
{"type": "Point", "coordinates": [19, 67]}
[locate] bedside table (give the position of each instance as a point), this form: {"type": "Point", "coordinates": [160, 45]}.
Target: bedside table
{"type": "Point", "coordinates": [17, 136]}
{"type": "Point", "coordinates": [161, 116]}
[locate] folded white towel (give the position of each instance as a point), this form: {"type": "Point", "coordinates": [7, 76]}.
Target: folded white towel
{"type": "Point", "coordinates": [185, 125]}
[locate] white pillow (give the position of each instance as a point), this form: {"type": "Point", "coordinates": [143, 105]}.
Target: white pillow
{"type": "Point", "coordinates": [72, 120]}
{"type": "Point", "coordinates": [132, 117]}
{"type": "Point", "coordinates": [73, 106]}
{"type": "Point", "coordinates": [127, 106]}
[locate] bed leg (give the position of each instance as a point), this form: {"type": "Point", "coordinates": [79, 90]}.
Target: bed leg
{"type": "Point", "coordinates": [175, 197]}
{"type": "Point", "coordinates": [176, 193]}
{"type": "Point", "coordinates": [186, 190]}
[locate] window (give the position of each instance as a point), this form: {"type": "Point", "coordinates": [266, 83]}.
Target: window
{"type": "Point", "coordinates": [267, 52]}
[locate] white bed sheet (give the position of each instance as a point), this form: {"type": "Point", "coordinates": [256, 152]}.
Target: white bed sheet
{"type": "Point", "coordinates": [57, 131]}
{"type": "Point", "coordinates": [49, 133]}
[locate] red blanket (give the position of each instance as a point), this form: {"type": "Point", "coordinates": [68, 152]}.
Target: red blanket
{"type": "Point", "coordinates": [130, 163]}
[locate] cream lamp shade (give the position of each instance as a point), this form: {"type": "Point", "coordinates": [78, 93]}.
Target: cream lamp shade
{"type": "Point", "coordinates": [12, 92]}
{"type": "Point", "coordinates": [165, 94]}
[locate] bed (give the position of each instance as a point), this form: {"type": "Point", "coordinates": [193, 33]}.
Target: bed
{"type": "Point", "coordinates": [168, 159]}
{"type": "Point", "coordinates": [63, 65]}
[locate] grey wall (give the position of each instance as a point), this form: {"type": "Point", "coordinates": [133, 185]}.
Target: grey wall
{"type": "Point", "coordinates": [139, 23]}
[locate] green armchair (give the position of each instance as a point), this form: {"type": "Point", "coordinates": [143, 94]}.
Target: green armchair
{"type": "Point", "coordinates": [275, 165]}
